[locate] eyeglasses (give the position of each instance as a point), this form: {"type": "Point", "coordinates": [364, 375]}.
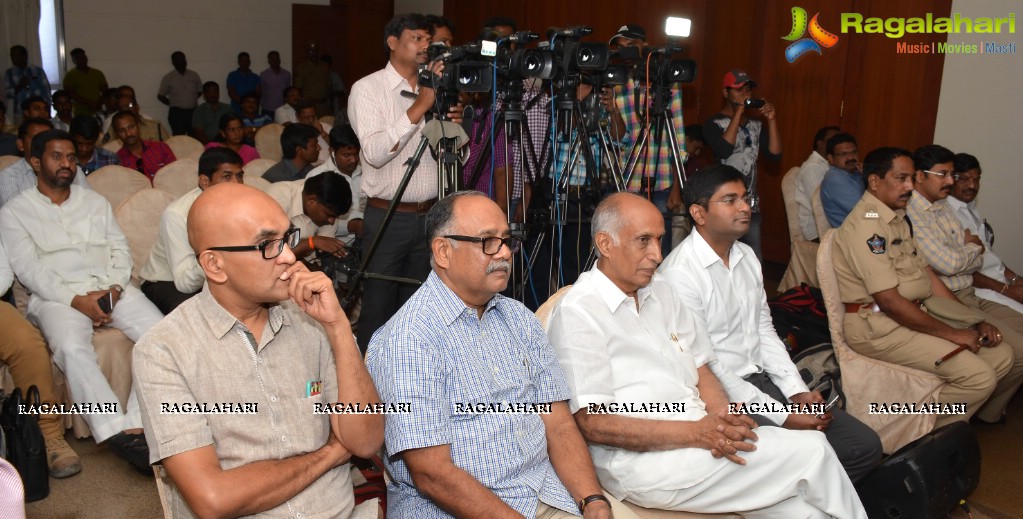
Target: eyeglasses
{"type": "Point", "coordinates": [943, 174]}
{"type": "Point", "coordinates": [270, 248]}
{"type": "Point", "coordinates": [731, 200]}
{"type": "Point", "coordinates": [491, 244]}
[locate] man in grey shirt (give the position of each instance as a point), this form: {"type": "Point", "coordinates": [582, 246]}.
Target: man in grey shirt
{"type": "Point", "coordinates": [300, 148]}
{"type": "Point", "coordinates": [233, 383]}
{"type": "Point", "coordinates": [19, 176]}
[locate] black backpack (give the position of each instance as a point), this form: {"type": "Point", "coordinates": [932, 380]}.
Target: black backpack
{"type": "Point", "coordinates": [26, 448]}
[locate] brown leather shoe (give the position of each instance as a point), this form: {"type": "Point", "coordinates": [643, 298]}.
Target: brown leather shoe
{"type": "Point", "coordinates": [62, 459]}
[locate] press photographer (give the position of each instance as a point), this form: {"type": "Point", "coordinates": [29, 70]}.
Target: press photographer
{"type": "Point", "coordinates": [737, 139]}
{"type": "Point", "coordinates": [387, 109]}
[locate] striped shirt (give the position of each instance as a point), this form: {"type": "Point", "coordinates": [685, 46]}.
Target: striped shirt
{"type": "Point", "coordinates": [939, 237]}
{"type": "Point", "coordinates": [656, 162]}
{"type": "Point", "coordinates": [435, 354]}
{"type": "Point", "coordinates": [377, 111]}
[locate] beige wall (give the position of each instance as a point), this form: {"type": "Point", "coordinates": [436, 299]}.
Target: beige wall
{"type": "Point", "coordinates": [131, 40]}
{"type": "Point", "coordinates": [979, 113]}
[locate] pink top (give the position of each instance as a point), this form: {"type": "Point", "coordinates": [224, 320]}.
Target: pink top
{"type": "Point", "coordinates": [248, 153]}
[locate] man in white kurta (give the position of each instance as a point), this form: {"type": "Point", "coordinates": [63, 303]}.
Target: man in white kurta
{"type": "Point", "coordinates": [69, 252]}
{"type": "Point", "coordinates": [645, 398]}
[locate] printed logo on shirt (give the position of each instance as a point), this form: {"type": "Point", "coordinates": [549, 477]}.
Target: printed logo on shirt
{"type": "Point", "coordinates": [313, 388]}
{"type": "Point", "coordinates": [877, 244]}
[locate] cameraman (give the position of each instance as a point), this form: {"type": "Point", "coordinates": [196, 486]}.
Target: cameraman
{"type": "Point", "coordinates": [387, 110]}
{"type": "Point", "coordinates": [736, 140]}
{"type": "Point", "coordinates": [654, 177]}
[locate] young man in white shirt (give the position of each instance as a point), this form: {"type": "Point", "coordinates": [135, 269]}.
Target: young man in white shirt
{"type": "Point", "coordinates": [344, 159]}
{"type": "Point", "coordinates": [719, 281]}
{"type": "Point", "coordinates": [172, 274]}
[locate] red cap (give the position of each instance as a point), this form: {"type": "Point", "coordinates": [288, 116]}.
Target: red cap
{"type": "Point", "coordinates": [736, 78]}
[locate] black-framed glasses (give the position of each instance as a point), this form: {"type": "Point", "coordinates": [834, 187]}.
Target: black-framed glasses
{"type": "Point", "coordinates": [491, 244]}
{"type": "Point", "coordinates": [269, 248]}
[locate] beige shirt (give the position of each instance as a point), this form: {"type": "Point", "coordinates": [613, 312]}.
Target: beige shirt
{"type": "Point", "coordinates": [172, 258]}
{"type": "Point", "coordinates": [200, 354]}
{"type": "Point", "coordinates": [874, 251]}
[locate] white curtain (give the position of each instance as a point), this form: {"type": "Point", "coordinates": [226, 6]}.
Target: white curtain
{"type": "Point", "coordinates": [19, 25]}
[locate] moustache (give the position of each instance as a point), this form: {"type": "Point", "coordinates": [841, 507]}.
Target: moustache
{"type": "Point", "coordinates": [494, 266]}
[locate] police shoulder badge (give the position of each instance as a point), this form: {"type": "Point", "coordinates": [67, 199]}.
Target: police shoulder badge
{"type": "Point", "coordinates": [877, 244]}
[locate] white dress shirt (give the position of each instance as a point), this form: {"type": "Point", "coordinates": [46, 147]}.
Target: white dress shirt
{"type": "Point", "coordinates": [612, 352]}
{"type": "Point", "coordinates": [6, 274]}
{"type": "Point", "coordinates": [172, 258]}
{"type": "Point", "coordinates": [377, 112]}
{"type": "Point", "coordinates": [358, 209]}
{"type": "Point", "coordinates": [810, 176]}
{"type": "Point", "coordinates": [289, 195]}
{"type": "Point", "coordinates": [992, 266]}
{"type": "Point", "coordinates": [285, 114]}
{"type": "Point", "coordinates": [732, 303]}
{"type": "Point", "coordinates": [60, 251]}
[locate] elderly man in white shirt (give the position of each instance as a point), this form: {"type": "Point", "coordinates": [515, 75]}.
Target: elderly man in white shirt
{"type": "Point", "coordinates": [67, 249]}
{"type": "Point", "coordinates": [661, 430]}
{"type": "Point", "coordinates": [719, 281]}
{"type": "Point", "coordinates": [809, 178]}
{"type": "Point", "coordinates": [995, 281]}
{"type": "Point", "coordinates": [173, 275]}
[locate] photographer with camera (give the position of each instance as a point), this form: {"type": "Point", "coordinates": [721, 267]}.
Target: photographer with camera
{"type": "Point", "coordinates": [388, 109]}
{"type": "Point", "coordinates": [737, 139]}
{"type": "Point", "coordinates": [654, 177]}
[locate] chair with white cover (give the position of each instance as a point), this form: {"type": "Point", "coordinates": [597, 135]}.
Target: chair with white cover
{"type": "Point", "coordinates": [803, 253]}
{"type": "Point", "coordinates": [113, 145]}
{"type": "Point", "coordinates": [268, 141]}
{"type": "Point", "coordinates": [258, 182]}
{"type": "Point", "coordinates": [819, 217]}
{"type": "Point", "coordinates": [178, 177]}
{"type": "Point", "coordinates": [866, 380]}
{"type": "Point", "coordinates": [117, 183]}
{"type": "Point", "coordinates": [543, 314]}
{"type": "Point", "coordinates": [7, 160]}
{"type": "Point", "coordinates": [185, 147]}
{"type": "Point", "coordinates": [139, 219]}
{"type": "Point", "coordinates": [256, 167]}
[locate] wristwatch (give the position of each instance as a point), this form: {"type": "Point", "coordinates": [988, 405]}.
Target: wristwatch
{"type": "Point", "coordinates": [120, 291]}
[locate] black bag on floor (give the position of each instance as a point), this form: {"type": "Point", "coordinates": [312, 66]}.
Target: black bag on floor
{"type": "Point", "coordinates": [26, 448]}
{"type": "Point", "coordinates": [926, 478]}
{"type": "Point", "coordinates": [800, 318]}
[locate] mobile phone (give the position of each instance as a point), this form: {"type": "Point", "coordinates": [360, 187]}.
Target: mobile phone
{"type": "Point", "coordinates": [106, 303]}
{"type": "Point", "coordinates": [834, 400]}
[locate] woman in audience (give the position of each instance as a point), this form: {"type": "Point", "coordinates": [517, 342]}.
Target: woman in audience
{"type": "Point", "coordinates": [232, 135]}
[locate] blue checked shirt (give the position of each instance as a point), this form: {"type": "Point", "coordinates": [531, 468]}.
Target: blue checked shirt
{"type": "Point", "coordinates": [38, 85]}
{"type": "Point", "coordinates": [434, 354]}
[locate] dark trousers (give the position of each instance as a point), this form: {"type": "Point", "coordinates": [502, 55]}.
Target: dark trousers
{"type": "Point", "coordinates": [858, 447]}
{"type": "Point", "coordinates": [561, 256]}
{"type": "Point", "coordinates": [180, 120]}
{"type": "Point", "coordinates": [164, 295]}
{"type": "Point", "coordinates": [404, 252]}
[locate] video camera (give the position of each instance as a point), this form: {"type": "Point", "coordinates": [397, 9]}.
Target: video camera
{"type": "Point", "coordinates": [461, 74]}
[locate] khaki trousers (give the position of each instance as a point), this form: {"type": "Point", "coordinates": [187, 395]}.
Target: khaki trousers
{"type": "Point", "coordinates": [1010, 323]}
{"type": "Point", "coordinates": [23, 350]}
{"type": "Point", "coordinates": [970, 378]}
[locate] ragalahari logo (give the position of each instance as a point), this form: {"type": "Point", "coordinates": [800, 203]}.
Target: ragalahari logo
{"type": "Point", "coordinates": [818, 36]}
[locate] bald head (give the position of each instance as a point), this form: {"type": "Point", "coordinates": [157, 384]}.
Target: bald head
{"type": "Point", "coordinates": [231, 214]}
{"type": "Point", "coordinates": [610, 215]}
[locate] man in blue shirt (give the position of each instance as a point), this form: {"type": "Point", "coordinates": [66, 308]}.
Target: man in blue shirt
{"type": "Point", "coordinates": [461, 356]}
{"type": "Point", "coordinates": [243, 81]}
{"type": "Point", "coordinates": [23, 81]}
{"type": "Point", "coordinates": [843, 184]}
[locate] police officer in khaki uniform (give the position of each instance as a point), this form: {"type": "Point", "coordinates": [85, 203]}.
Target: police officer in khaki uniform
{"type": "Point", "coordinates": [882, 282]}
